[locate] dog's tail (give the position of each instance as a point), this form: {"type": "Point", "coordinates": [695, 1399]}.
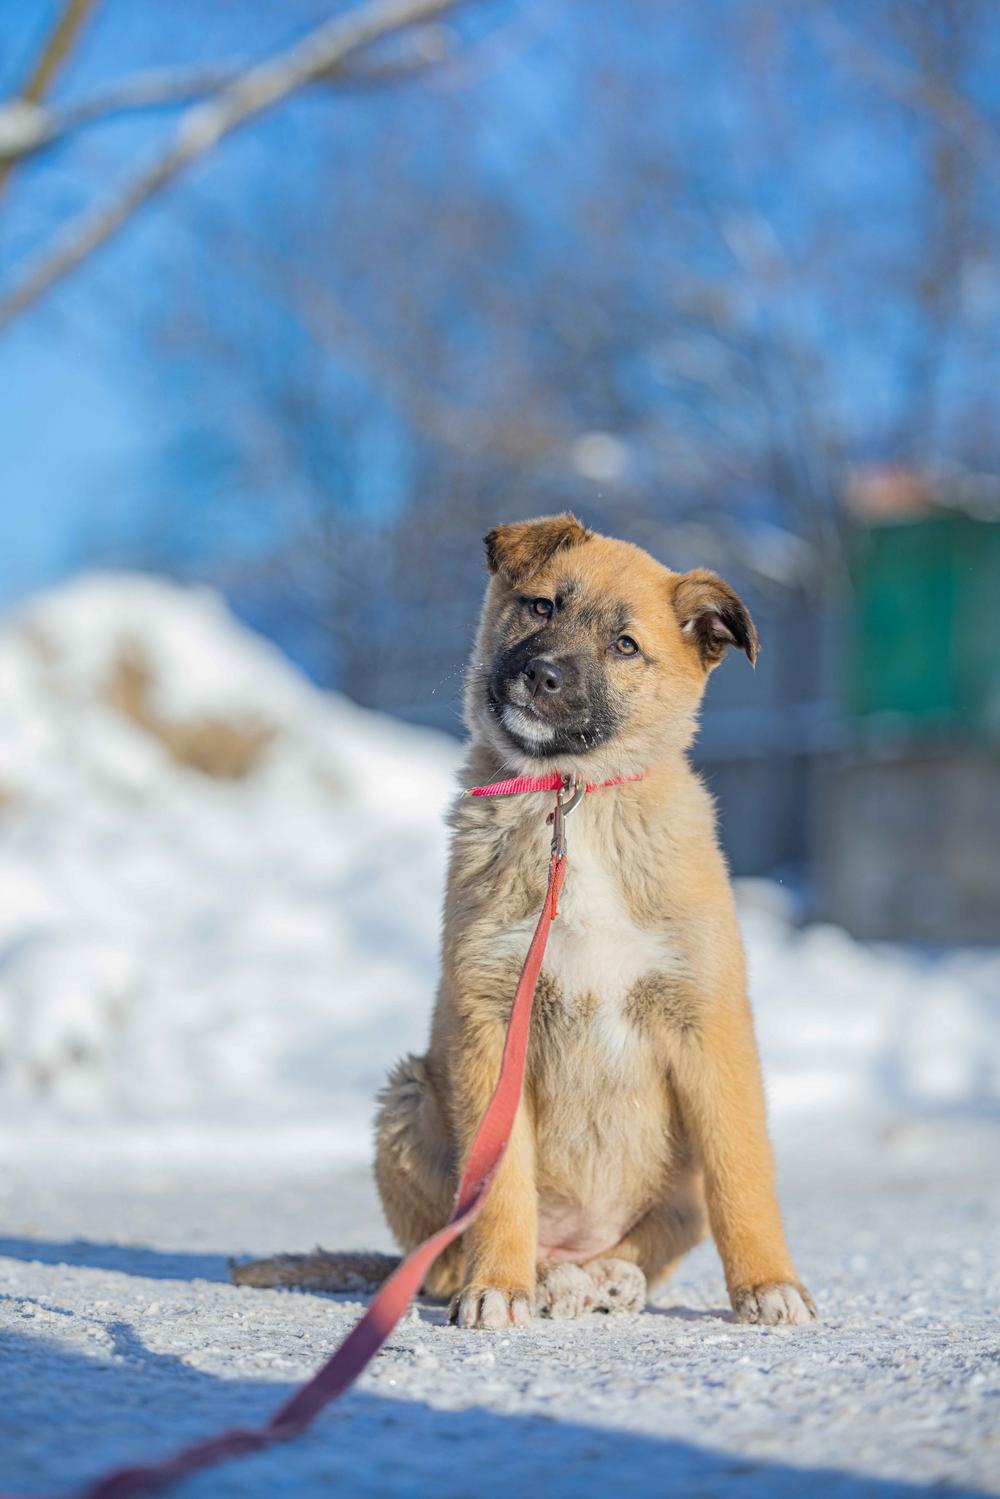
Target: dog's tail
{"type": "Point", "coordinates": [358, 1270]}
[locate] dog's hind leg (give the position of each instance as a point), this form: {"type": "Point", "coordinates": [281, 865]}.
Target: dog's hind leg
{"type": "Point", "coordinates": [414, 1167]}
{"type": "Point", "coordinates": [413, 1174]}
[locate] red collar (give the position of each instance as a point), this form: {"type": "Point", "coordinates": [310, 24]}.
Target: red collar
{"type": "Point", "coordinates": [552, 782]}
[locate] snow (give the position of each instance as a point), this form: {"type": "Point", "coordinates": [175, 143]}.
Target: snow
{"type": "Point", "coordinates": [203, 979]}
{"type": "Point", "coordinates": [132, 1341]}
{"type": "Point", "coordinates": [187, 950]}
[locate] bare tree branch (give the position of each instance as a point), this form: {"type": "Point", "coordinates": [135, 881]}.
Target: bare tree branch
{"type": "Point", "coordinates": [57, 47]}
{"type": "Point", "coordinates": [26, 129]}
{"type": "Point", "coordinates": [319, 55]}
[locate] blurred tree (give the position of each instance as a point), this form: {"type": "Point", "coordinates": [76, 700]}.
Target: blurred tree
{"type": "Point", "coordinates": [929, 61]}
{"type": "Point", "coordinates": [685, 263]}
{"type": "Point", "coordinates": [226, 100]}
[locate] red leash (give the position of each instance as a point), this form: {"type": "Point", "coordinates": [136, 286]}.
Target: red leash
{"type": "Point", "coordinates": [367, 1336]}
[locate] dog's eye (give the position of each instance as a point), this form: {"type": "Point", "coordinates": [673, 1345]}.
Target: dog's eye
{"type": "Point", "coordinates": [543, 607]}
{"type": "Point", "coordinates": [626, 646]}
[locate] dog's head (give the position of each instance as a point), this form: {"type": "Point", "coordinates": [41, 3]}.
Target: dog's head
{"type": "Point", "coordinates": [591, 656]}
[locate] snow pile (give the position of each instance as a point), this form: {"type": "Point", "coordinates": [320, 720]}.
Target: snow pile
{"type": "Point", "coordinates": [220, 893]}
{"type": "Point", "coordinates": [175, 944]}
{"type": "Point", "coordinates": [848, 1028]}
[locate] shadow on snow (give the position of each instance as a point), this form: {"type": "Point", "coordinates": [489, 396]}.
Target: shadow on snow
{"type": "Point", "coordinates": [128, 1259]}
{"type": "Point", "coordinates": [140, 1405]}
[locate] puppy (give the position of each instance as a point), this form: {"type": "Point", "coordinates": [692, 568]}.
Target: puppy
{"type": "Point", "coordinates": [642, 1120]}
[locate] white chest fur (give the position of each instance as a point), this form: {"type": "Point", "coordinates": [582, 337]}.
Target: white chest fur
{"type": "Point", "coordinates": [596, 949]}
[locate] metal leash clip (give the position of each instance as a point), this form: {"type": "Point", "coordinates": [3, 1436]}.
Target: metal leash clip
{"type": "Point", "coordinates": [577, 790]}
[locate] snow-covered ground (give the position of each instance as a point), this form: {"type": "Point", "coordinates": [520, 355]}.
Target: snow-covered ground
{"type": "Point", "coordinates": [204, 973]}
{"type": "Point", "coordinates": [117, 1347]}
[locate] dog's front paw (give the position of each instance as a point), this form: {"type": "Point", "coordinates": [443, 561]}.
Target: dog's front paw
{"type": "Point", "coordinates": [491, 1308]}
{"type": "Point", "coordinates": [774, 1302]}
{"type": "Point", "coordinates": [564, 1290]}
{"type": "Point", "coordinates": [620, 1286]}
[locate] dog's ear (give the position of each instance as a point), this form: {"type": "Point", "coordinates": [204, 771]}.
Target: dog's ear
{"type": "Point", "coordinates": [519, 550]}
{"type": "Point", "coordinates": [713, 617]}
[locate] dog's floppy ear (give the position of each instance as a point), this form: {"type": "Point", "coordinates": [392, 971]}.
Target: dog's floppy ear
{"type": "Point", "coordinates": [713, 617]}
{"type": "Point", "coordinates": [521, 549]}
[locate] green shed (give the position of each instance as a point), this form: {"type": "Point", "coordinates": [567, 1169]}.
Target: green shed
{"type": "Point", "coordinates": [926, 635]}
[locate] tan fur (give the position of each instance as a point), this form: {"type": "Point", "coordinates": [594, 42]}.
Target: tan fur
{"type": "Point", "coordinates": [643, 1105]}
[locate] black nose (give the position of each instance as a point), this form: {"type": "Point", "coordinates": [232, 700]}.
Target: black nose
{"type": "Point", "coordinates": [542, 675]}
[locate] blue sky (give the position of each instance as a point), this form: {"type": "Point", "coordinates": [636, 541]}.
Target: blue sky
{"type": "Point", "coordinates": [81, 420]}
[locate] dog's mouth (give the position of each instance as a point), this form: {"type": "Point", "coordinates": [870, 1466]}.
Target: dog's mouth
{"type": "Point", "coordinates": [537, 733]}
{"type": "Point", "coordinates": [527, 726]}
